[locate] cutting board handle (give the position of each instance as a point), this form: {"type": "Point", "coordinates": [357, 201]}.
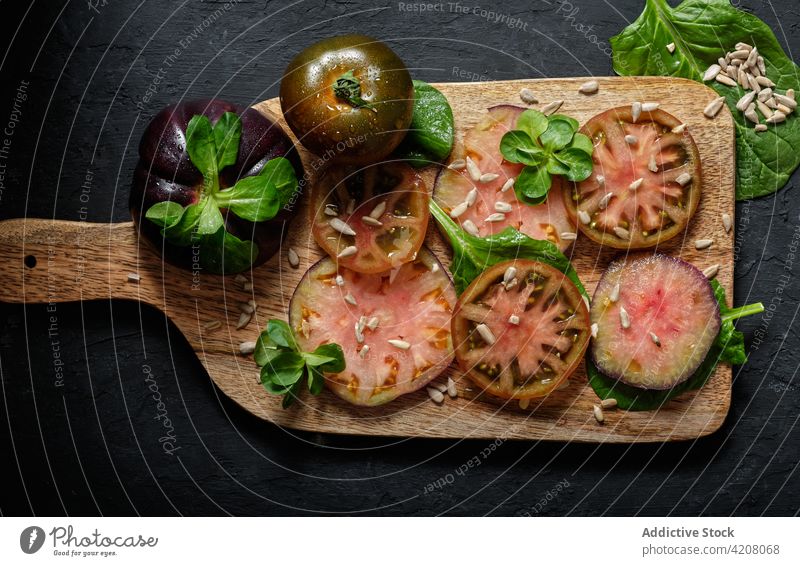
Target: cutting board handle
{"type": "Point", "coordinates": [44, 261]}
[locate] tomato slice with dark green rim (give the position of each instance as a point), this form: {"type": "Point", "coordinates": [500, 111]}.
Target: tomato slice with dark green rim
{"type": "Point", "coordinates": [530, 356]}
{"type": "Point", "coordinates": [413, 305]}
{"type": "Point", "coordinates": [622, 213]}
{"type": "Point", "coordinates": [386, 205]}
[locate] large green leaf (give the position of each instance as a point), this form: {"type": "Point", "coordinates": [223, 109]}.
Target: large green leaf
{"type": "Point", "coordinates": [703, 31]}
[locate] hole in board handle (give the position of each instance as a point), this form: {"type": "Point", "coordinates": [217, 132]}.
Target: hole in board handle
{"type": "Point", "coordinates": [30, 261]}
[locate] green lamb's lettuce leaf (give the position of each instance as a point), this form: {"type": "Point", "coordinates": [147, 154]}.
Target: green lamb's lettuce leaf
{"type": "Point", "coordinates": [432, 131]}
{"type": "Point", "coordinates": [703, 31]}
{"type": "Point", "coordinates": [202, 149]}
{"type": "Point", "coordinates": [227, 133]}
{"type": "Point", "coordinates": [283, 364]}
{"type": "Point", "coordinates": [222, 252]}
{"type": "Point", "coordinates": [472, 255]}
{"type": "Point", "coordinates": [727, 347]}
{"type": "Point", "coordinates": [164, 214]}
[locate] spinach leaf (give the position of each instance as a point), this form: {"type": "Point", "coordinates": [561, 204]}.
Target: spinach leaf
{"type": "Point", "coordinates": [283, 364]}
{"type": "Point", "coordinates": [727, 347]}
{"type": "Point", "coordinates": [431, 133]}
{"type": "Point", "coordinates": [703, 31]}
{"type": "Point", "coordinates": [472, 255]}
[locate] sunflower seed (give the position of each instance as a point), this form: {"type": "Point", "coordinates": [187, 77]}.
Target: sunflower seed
{"type": "Point", "coordinates": [621, 233]}
{"type": "Point", "coordinates": [359, 334]}
{"type": "Point", "coordinates": [761, 128]}
{"type": "Point", "coordinates": [564, 384]}
{"type": "Point", "coordinates": [244, 320]}
{"type": "Point", "coordinates": [683, 179]}
{"type": "Point", "coordinates": [604, 201]}
{"type": "Point", "coordinates": [785, 109]}
{"type": "Point", "coordinates": [435, 395]}
{"type": "Point", "coordinates": [240, 278]}
{"type": "Point", "coordinates": [457, 165]}
{"type": "Point", "coordinates": [636, 184]}
{"type": "Point", "coordinates": [762, 66]}
{"type": "Point", "coordinates": [765, 94]}
{"type": "Point", "coordinates": [347, 252]}
{"type": "Point", "coordinates": [601, 180]}
{"type": "Point", "coordinates": [753, 83]}
{"type": "Point", "coordinates": [584, 217]}
{"type": "Point", "coordinates": [527, 96]}
{"type": "Point", "coordinates": [609, 403]}
{"type": "Point", "coordinates": [393, 274]}
{"type": "Point", "coordinates": [134, 277]}
{"type": "Point", "coordinates": [731, 71]}
{"type": "Point", "coordinates": [725, 79]}
{"type": "Point", "coordinates": [511, 284]}
{"type": "Point", "coordinates": [402, 344]}
{"type": "Point", "coordinates": [351, 206]}
{"type": "Point", "coordinates": [509, 274]}
{"type": "Point", "coordinates": [373, 323]}
{"type": "Point", "coordinates": [743, 46]}
{"type": "Point", "coordinates": [434, 267]}
{"type": "Point", "coordinates": [763, 108]}
{"type": "Point", "coordinates": [745, 101]}
{"type": "Point", "coordinates": [363, 351]}
{"type": "Point", "coordinates": [650, 106]}
{"type": "Point", "coordinates": [247, 286]}
{"type": "Point", "coordinates": [790, 93]}
{"type": "Point", "coordinates": [624, 318]}
{"type": "Point", "coordinates": [594, 328]}
{"type": "Point", "coordinates": [470, 227]}
{"type": "Point", "coordinates": [378, 211]}
{"type": "Point", "coordinates": [507, 185]}
{"type": "Point", "coordinates": [679, 129]}
{"type": "Point", "coordinates": [752, 57]}
{"type": "Point", "coordinates": [451, 388]}
{"type": "Point", "coordinates": [771, 103]}
{"type": "Point", "coordinates": [786, 101]}
{"type": "Point", "coordinates": [636, 111]}
{"type": "Point", "coordinates": [740, 54]}
{"type": "Point", "coordinates": [598, 414]}
{"type": "Point", "coordinates": [652, 165]}
{"type": "Point", "coordinates": [459, 210]}
{"type": "Point", "coordinates": [486, 334]}
{"type": "Point", "coordinates": [589, 87]}
{"type": "Point", "coordinates": [495, 217]}
{"type": "Point", "coordinates": [501, 206]}
{"type": "Point", "coordinates": [342, 227]}
{"type": "Point", "coordinates": [294, 259]}
{"type": "Point", "coordinates": [711, 72]}
{"type": "Point", "coordinates": [776, 118]}
{"type": "Point", "coordinates": [552, 107]}
{"type": "Point", "coordinates": [340, 281]}
{"type": "Point", "coordinates": [703, 244]}
{"type": "Point", "coordinates": [212, 325]}
{"type": "Point", "coordinates": [569, 236]}
{"type": "Point", "coordinates": [247, 308]}
{"type": "Point", "coordinates": [247, 348]}
{"type": "Point", "coordinates": [727, 222]}
{"type": "Point", "coordinates": [472, 169]}
{"type": "Point", "coordinates": [614, 295]}
{"type": "Point", "coordinates": [741, 78]}
{"type": "Point", "coordinates": [350, 299]}
{"type": "Point", "coordinates": [631, 139]}
{"type": "Point", "coordinates": [655, 339]}
{"type": "Point", "coordinates": [488, 177]}
{"type": "Point", "coordinates": [671, 47]}
{"type": "Point", "coordinates": [711, 272]}
{"type": "Point", "coordinates": [472, 196]}
{"type": "Point", "coordinates": [751, 115]}
{"type": "Point", "coordinates": [713, 107]}
{"type": "Point", "coordinates": [765, 82]}
{"type": "Point", "coordinates": [330, 210]}
{"type": "Point", "coordinates": [722, 61]}
{"type": "Point", "coordinates": [362, 323]}
{"type": "Point", "coordinates": [371, 221]}
{"type": "Point", "coordinates": [524, 403]}
{"type": "Point", "coordinates": [587, 303]}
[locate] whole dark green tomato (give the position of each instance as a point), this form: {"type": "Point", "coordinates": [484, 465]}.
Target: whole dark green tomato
{"type": "Point", "coordinates": [348, 99]}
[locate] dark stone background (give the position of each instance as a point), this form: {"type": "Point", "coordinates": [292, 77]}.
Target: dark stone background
{"type": "Point", "coordinates": [92, 446]}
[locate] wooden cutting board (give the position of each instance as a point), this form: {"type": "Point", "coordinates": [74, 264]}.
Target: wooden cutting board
{"type": "Point", "coordinates": [82, 261]}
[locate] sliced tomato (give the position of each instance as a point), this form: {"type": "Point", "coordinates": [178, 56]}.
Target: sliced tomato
{"type": "Point", "coordinates": [386, 205]}
{"type": "Point", "coordinates": [671, 319]}
{"type": "Point", "coordinates": [481, 144]}
{"type": "Point", "coordinates": [538, 329]}
{"type": "Point", "coordinates": [646, 182]}
{"type": "Point", "coordinates": [411, 306]}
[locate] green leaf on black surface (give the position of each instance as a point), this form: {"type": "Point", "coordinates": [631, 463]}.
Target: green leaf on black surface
{"type": "Point", "coordinates": [703, 31]}
{"type": "Point", "coordinates": [727, 347]}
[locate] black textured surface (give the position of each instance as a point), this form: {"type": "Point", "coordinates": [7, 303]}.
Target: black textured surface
{"type": "Point", "coordinates": [92, 446]}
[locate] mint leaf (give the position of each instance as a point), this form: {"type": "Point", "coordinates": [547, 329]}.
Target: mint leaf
{"type": "Point", "coordinates": [165, 213]}
{"type": "Point", "coordinates": [227, 134]}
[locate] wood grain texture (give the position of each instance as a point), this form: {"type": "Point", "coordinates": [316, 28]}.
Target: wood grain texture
{"type": "Point", "coordinates": [79, 261]}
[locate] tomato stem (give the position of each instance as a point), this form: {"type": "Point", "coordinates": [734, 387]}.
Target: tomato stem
{"type": "Point", "coordinates": [348, 88]}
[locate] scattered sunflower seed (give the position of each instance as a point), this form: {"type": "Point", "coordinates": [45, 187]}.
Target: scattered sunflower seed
{"type": "Point", "coordinates": [552, 107]}
{"type": "Point", "coordinates": [763, 108]}
{"type": "Point", "coordinates": [584, 217]}
{"type": "Point", "coordinates": [569, 236]}
{"type": "Point", "coordinates": [373, 323]}
{"type": "Point", "coordinates": [501, 206]}
{"type": "Point", "coordinates": [495, 217]}
{"type": "Point", "coordinates": [713, 107]}
{"type": "Point", "coordinates": [605, 200]}
{"type": "Point", "coordinates": [457, 165]}
{"type": "Point", "coordinates": [711, 72]}
{"type": "Point", "coordinates": [589, 87]}
{"type": "Point", "coordinates": [725, 79]}
{"type": "Point", "coordinates": [711, 272]}
{"type": "Point", "coordinates": [507, 185]}
{"type": "Point", "coordinates": [402, 344]}
{"type": "Point", "coordinates": [679, 129]}
{"type": "Point", "coordinates": [244, 320]}
{"type": "Point", "coordinates": [671, 47]}
{"type": "Point", "coordinates": [513, 319]}
{"type": "Point", "coordinates": [212, 325]}
{"type": "Point", "coordinates": [786, 101]}
{"type": "Point", "coordinates": [631, 139]}
{"type": "Point", "coordinates": [294, 259]}
{"type": "Point", "coordinates": [650, 106]}
{"type": "Point", "coordinates": [134, 277]}
{"type": "Point", "coordinates": [740, 54]}
{"type": "Point", "coordinates": [624, 318]}
{"type": "Point", "coordinates": [511, 284]}
{"type": "Point", "coordinates": [434, 267]}
{"type": "Point", "coordinates": [621, 233]}
{"type": "Point", "coordinates": [347, 252]}
{"type": "Point", "coordinates": [750, 114]}
{"type": "Point", "coordinates": [776, 118]}
{"type": "Point", "coordinates": [359, 334]}
{"type": "Point", "coordinates": [470, 227]}
{"type": "Point", "coordinates": [486, 334]}
{"type": "Point", "coordinates": [510, 273]}
{"type": "Point", "coordinates": [524, 403]}
{"type": "Point", "coordinates": [614, 296]}
{"type": "Point", "coordinates": [451, 388]}
{"type": "Point", "coordinates": [458, 210]}
{"type": "Point", "coordinates": [247, 348]}
{"type": "Point", "coordinates": [369, 220]}
{"type": "Point", "coordinates": [330, 210]}
{"type": "Point", "coordinates": [342, 227]}
{"type": "Point", "coordinates": [656, 340]}
{"type": "Point", "coordinates": [340, 281]}
{"type": "Point", "coordinates": [350, 299]}
{"type": "Point", "coordinates": [488, 177]}
{"type": "Point", "coordinates": [595, 328]}
{"type": "Point", "coordinates": [683, 179]}
{"type": "Point", "coordinates": [472, 196]}
{"type": "Point", "coordinates": [363, 351]}
{"type": "Point", "coordinates": [247, 308]}
{"type": "Point", "coordinates": [598, 414]}
{"type": "Point", "coordinates": [472, 169]}
{"type": "Point", "coordinates": [393, 274]}
{"type": "Point", "coordinates": [652, 165]}
{"type": "Point", "coordinates": [752, 57]}
{"type": "Point", "coordinates": [526, 95]}
{"type": "Point", "coordinates": [761, 128]}
{"type": "Point", "coordinates": [727, 222]}
{"type": "Point", "coordinates": [636, 111]}
{"type": "Point", "coordinates": [241, 279]}
{"type": "Point", "coordinates": [435, 395]}
{"type": "Point", "coordinates": [351, 206]}
{"type": "Point", "coordinates": [703, 244]}
{"type": "Point", "coordinates": [743, 46]}
{"type": "Point", "coordinates": [762, 66]}
{"type": "Point", "coordinates": [745, 101]}
{"type": "Point", "coordinates": [601, 180]}
{"type": "Point", "coordinates": [636, 184]}
{"type": "Point", "coordinates": [248, 287]}
{"type": "Point", "coordinates": [378, 211]}
{"type": "Point", "coordinates": [785, 109]}
{"type": "Point", "coordinates": [609, 403]}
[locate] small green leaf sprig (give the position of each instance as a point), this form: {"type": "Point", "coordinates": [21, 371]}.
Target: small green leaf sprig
{"type": "Point", "coordinates": [546, 146]}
